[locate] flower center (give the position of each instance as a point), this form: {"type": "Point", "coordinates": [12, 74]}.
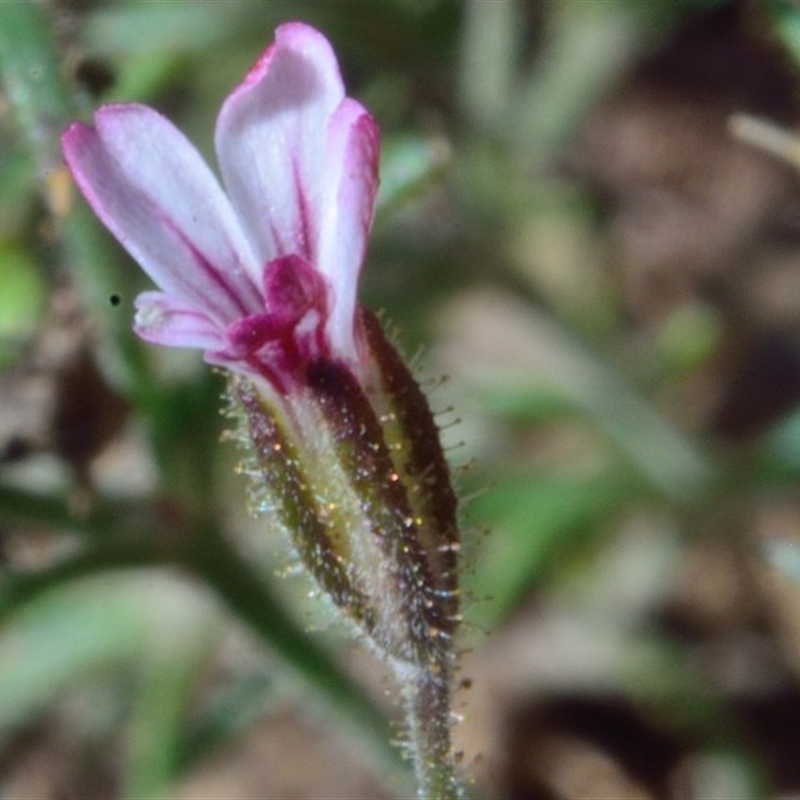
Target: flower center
{"type": "Point", "coordinates": [291, 330]}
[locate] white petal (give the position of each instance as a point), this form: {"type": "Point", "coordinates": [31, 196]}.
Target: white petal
{"type": "Point", "coordinates": [350, 187]}
{"type": "Point", "coordinates": [155, 193]}
{"type": "Point", "coordinates": [163, 320]}
{"type": "Point", "coordinates": [270, 141]}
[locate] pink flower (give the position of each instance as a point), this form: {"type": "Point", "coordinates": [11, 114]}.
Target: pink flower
{"type": "Point", "coordinates": [261, 275]}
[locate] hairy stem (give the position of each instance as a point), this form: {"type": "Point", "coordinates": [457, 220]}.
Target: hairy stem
{"type": "Point", "coordinates": [427, 702]}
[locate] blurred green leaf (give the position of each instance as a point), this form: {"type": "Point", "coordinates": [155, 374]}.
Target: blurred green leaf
{"type": "Point", "coordinates": [42, 105]}
{"type": "Point", "coordinates": [555, 361]}
{"type": "Point", "coordinates": [62, 638]}
{"type": "Point", "coordinates": [783, 447]}
{"type": "Point", "coordinates": [17, 188]}
{"type": "Point", "coordinates": [165, 28]}
{"type": "Point", "coordinates": [561, 87]}
{"type": "Point", "coordinates": [689, 338]}
{"type": "Point", "coordinates": [30, 71]}
{"type": "Point", "coordinates": [536, 522]}
{"type": "Point", "coordinates": [182, 642]}
{"type": "Point", "coordinates": [225, 715]}
{"type": "Point", "coordinates": [409, 167]}
{"type": "Point", "coordinates": [23, 298]}
{"type": "Point", "coordinates": [140, 77]}
{"type": "Point", "coordinates": [786, 15]}
{"type": "Point", "coordinates": [529, 403]}
{"type": "Point", "coordinates": [70, 634]}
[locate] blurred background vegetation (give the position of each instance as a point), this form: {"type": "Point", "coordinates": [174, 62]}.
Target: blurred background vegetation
{"type": "Point", "coordinates": [608, 280]}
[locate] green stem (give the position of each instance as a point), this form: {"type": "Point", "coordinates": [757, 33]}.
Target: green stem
{"type": "Point", "coordinates": [16, 590]}
{"type": "Point", "coordinates": [41, 510]}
